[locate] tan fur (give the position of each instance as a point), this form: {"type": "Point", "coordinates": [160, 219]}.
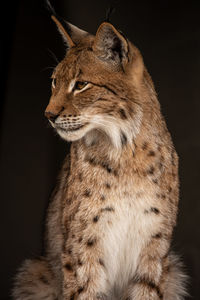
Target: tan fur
{"type": "Point", "coordinates": [110, 222]}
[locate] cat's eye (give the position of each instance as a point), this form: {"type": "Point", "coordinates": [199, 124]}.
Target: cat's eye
{"type": "Point", "coordinates": [53, 83]}
{"type": "Point", "coordinates": [79, 85]}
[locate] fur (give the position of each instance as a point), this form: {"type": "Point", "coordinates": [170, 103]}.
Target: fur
{"type": "Point", "coordinates": [110, 221]}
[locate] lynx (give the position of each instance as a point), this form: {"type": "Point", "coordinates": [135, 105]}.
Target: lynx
{"type": "Point", "coordinates": [110, 222]}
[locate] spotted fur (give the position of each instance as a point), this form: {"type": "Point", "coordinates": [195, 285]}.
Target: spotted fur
{"type": "Point", "coordinates": [110, 221]}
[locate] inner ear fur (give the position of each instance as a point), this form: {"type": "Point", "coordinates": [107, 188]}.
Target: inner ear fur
{"type": "Point", "coordinates": [110, 45]}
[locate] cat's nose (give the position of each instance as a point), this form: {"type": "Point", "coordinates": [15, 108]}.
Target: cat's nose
{"type": "Point", "coordinates": [51, 116]}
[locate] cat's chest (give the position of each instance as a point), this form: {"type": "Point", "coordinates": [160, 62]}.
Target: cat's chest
{"type": "Point", "coordinates": [111, 210]}
{"type": "Point", "coordinates": [127, 231]}
{"type": "Point", "coordinates": [115, 206]}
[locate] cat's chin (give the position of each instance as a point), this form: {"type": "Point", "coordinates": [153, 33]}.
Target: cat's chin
{"type": "Point", "coordinates": [74, 135]}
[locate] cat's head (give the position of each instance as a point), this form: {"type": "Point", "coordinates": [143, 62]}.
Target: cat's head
{"type": "Point", "coordinates": [96, 88]}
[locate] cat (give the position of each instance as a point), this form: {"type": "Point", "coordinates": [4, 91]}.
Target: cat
{"type": "Point", "coordinates": [110, 221]}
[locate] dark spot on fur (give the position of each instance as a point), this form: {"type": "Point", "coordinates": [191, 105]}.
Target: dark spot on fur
{"type": "Point", "coordinates": [151, 285]}
{"type": "Point", "coordinates": [155, 210]}
{"type": "Point", "coordinates": [80, 262]}
{"type": "Point", "coordinates": [69, 200]}
{"type": "Point", "coordinates": [69, 251]}
{"type": "Point", "coordinates": [91, 242]}
{"type": "Point", "coordinates": [87, 193]}
{"type": "Point", "coordinates": [157, 236]}
{"type": "Point", "coordinates": [91, 161]}
{"type": "Point", "coordinates": [43, 279]}
{"type": "Point", "coordinates": [72, 297]}
{"type": "Point", "coordinates": [107, 185]}
{"type": "Point", "coordinates": [80, 290]}
{"type": "Point", "coordinates": [108, 208]}
{"type": "Point", "coordinates": [115, 172]}
{"type": "Point", "coordinates": [106, 167]}
{"type": "Point", "coordinates": [155, 181]}
{"type": "Point", "coordinates": [68, 266]}
{"type": "Point", "coordinates": [159, 148]}
{"type": "Point", "coordinates": [122, 114]}
{"type": "Point", "coordinates": [80, 239]}
{"type": "Point", "coordinates": [151, 153]}
{"type": "Point", "coordinates": [102, 198]}
{"type": "Point", "coordinates": [96, 219]}
{"type": "Point", "coordinates": [163, 196]}
{"type": "Point", "coordinates": [123, 99]}
{"type": "Point", "coordinates": [123, 138]}
{"type": "Point", "coordinates": [80, 177]}
{"type": "Point", "coordinates": [101, 262]}
{"type": "Point", "coordinates": [169, 189]}
{"type": "Point", "coordinates": [144, 146]}
{"type": "Point", "coordinates": [151, 170]}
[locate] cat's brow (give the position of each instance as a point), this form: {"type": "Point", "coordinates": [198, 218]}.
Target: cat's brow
{"type": "Point", "coordinates": [73, 81]}
{"type": "Point", "coordinates": [71, 85]}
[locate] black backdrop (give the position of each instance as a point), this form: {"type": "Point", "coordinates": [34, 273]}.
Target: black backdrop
{"type": "Point", "coordinates": [168, 35]}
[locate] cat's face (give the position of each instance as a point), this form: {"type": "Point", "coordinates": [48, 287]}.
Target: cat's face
{"type": "Point", "coordinates": [95, 88]}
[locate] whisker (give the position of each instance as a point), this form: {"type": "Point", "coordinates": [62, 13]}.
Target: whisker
{"type": "Point", "coordinates": [53, 56]}
{"type": "Point", "coordinates": [47, 68]}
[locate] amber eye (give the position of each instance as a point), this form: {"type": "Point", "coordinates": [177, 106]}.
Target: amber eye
{"type": "Point", "coordinates": [53, 83]}
{"type": "Point", "coordinates": [79, 85]}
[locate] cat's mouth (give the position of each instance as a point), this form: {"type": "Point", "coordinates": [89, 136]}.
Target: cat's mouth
{"type": "Point", "coordinates": [70, 128]}
{"type": "Point", "coordinates": [71, 131]}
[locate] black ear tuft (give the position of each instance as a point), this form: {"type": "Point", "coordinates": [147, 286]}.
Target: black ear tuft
{"type": "Point", "coordinates": [50, 8]}
{"type": "Point", "coordinates": [61, 24]}
{"type": "Point", "coordinates": [109, 13]}
{"type": "Point", "coordinates": [71, 34]}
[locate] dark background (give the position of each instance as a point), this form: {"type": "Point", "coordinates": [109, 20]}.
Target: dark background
{"type": "Point", "coordinates": [168, 35]}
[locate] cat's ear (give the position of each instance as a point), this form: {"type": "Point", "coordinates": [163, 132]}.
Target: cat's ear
{"type": "Point", "coordinates": [66, 37]}
{"type": "Point", "coordinates": [71, 34]}
{"type": "Point", "coordinates": [110, 45]}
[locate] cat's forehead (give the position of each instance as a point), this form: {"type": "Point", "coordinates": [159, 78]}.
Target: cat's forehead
{"type": "Point", "coordinates": [76, 59]}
